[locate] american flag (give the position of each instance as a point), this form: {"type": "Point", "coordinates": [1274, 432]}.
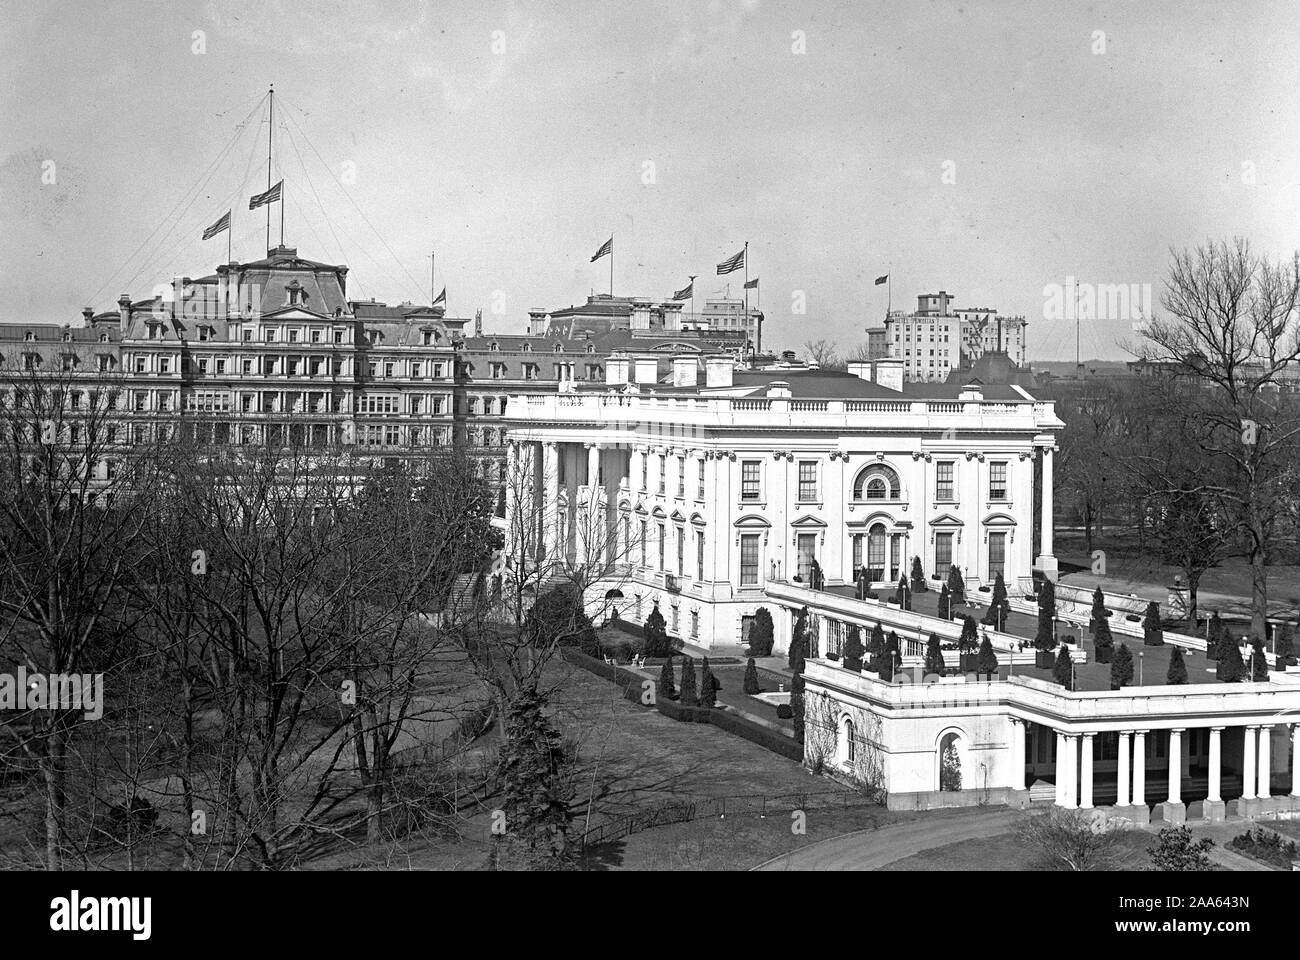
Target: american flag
{"type": "Point", "coordinates": [732, 264]}
{"type": "Point", "coordinates": [216, 228]}
{"type": "Point", "coordinates": [262, 199]}
{"type": "Point", "coordinates": [686, 292]}
{"type": "Point", "coordinates": [752, 285]}
{"type": "Point", "coordinates": [606, 247]}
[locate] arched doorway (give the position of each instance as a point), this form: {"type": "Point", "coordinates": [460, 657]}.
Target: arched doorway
{"type": "Point", "coordinates": [949, 755]}
{"type": "Point", "coordinates": [845, 748]}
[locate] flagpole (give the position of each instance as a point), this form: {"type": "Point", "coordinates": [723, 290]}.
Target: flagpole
{"type": "Point", "coordinates": [270, 125]}
{"type": "Point", "coordinates": [746, 255]}
{"type": "Point", "coordinates": [611, 266]}
{"type": "Point", "coordinates": [281, 213]}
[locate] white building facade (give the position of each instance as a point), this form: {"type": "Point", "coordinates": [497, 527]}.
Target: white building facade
{"type": "Point", "coordinates": [698, 496]}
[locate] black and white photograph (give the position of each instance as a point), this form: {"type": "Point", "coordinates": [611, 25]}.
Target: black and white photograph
{"type": "Point", "coordinates": [476, 438]}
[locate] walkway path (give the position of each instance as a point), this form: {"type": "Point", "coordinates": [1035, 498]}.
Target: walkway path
{"type": "Point", "coordinates": [873, 849]}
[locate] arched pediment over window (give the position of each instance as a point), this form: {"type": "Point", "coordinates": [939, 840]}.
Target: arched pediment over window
{"type": "Point", "coordinates": [999, 519]}
{"type": "Point", "coordinates": [658, 513]}
{"type": "Point", "coordinates": [752, 520]}
{"type": "Point", "coordinates": [698, 521]}
{"type": "Point", "coordinates": [877, 481]}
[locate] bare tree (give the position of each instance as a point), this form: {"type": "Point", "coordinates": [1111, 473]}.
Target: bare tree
{"type": "Point", "coordinates": [1070, 840]}
{"type": "Point", "coordinates": [823, 354]}
{"type": "Point", "coordinates": [75, 488]}
{"type": "Point", "coordinates": [1232, 329]}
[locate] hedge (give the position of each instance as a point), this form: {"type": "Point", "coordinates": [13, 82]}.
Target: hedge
{"type": "Point", "coordinates": [631, 684]}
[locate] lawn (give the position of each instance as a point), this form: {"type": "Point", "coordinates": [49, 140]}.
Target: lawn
{"type": "Point", "coordinates": [1004, 852]}
{"type": "Point", "coordinates": [736, 842]}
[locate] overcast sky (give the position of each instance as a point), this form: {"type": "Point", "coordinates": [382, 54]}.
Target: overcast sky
{"type": "Point", "coordinates": [513, 139]}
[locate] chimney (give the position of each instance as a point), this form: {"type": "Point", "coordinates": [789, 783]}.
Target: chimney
{"type": "Point", "coordinates": [617, 368]}
{"type": "Point", "coordinates": [672, 316]}
{"type": "Point", "coordinates": [718, 370]}
{"type": "Point", "coordinates": [640, 318]}
{"type": "Point", "coordinates": [779, 389]}
{"type": "Point", "coordinates": [684, 370]}
{"type": "Point", "coordinates": [889, 373]}
{"type": "Point", "coordinates": [537, 322]}
{"type": "Point", "coordinates": [647, 370]}
{"type": "Point", "coordinates": [124, 311]}
{"type": "Point", "coordinates": [87, 314]}
{"type": "Point", "coordinates": [970, 393]}
{"type": "Point", "coordinates": [861, 369]}
{"type": "Point", "coordinates": [478, 322]}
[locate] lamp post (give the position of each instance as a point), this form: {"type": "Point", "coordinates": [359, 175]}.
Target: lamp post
{"type": "Point", "coordinates": [1141, 656]}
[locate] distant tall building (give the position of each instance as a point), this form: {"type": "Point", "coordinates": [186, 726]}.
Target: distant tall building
{"type": "Point", "coordinates": [937, 338]}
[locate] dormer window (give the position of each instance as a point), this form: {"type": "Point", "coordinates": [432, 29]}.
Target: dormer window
{"type": "Point", "coordinates": [559, 348]}
{"type": "Point", "coordinates": [494, 346]}
{"type": "Point", "coordinates": [29, 336]}
{"type": "Point", "coordinates": [528, 348]}
{"type": "Point", "coordinates": [591, 348]}
{"type": "Point", "coordinates": [67, 337]}
{"type": "Point", "coordinates": [103, 338]}
{"type": "Point", "coordinates": [294, 290]}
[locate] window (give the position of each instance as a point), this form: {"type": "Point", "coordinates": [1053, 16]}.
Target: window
{"type": "Point", "coordinates": [807, 480]}
{"type": "Point", "coordinates": [699, 490]}
{"type": "Point", "coordinates": [677, 619]}
{"type": "Point", "coordinates": [997, 554]}
{"type": "Point", "coordinates": [807, 547]}
{"type": "Point", "coordinates": [681, 550]}
{"type": "Point", "coordinates": [662, 470]}
{"type": "Point", "coordinates": [749, 559]}
{"type": "Point", "coordinates": [530, 371]}
{"type": "Point", "coordinates": [642, 541]}
{"type": "Point", "coordinates": [997, 481]}
{"type": "Point", "coordinates": [695, 624]}
{"type": "Point", "coordinates": [877, 482]}
{"type": "Point", "coordinates": [699, 554]}
{"type": "Point", "coordinates": [749, 480]}
{"type": "Point", "coordinates": [645, 468]}
{"type": "Point", "coordinates": [498, 370]}
{"type": "Point", "coordinates": [662, 538]}
{"type": "Point", "coordinates": [943, 486]}
{"type": "Point", "coordinates": [270, 336]}
{"type": "Point", "coordinates": [681, 477]}
{"type": "Point", "coordinates": [942, 555]}
{"type": "Point", "coordinates": [876, 553]}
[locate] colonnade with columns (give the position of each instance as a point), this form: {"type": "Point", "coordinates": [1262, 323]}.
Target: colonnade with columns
{"type": "Point", "coordinates": [1075, 779]}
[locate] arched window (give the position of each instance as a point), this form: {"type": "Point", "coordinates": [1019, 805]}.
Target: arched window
{"type": "Point", "coordinates": [845, 748]}
{"type": "Point", "coordinates": [877, 482]}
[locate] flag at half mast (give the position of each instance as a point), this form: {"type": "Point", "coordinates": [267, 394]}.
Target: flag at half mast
{"type": "Point", "coordinates": [262, 199]}
{"type": "Point", "coordinates": [732, 264]}
{"type": "Point", "coordinates": [441, 298]}
{"type": "Point", "coordinates": [752, 284]}
{"type": "Point", "coordinates": [216, 228]}
{"type": "Point", "coordinates": [880, 280]}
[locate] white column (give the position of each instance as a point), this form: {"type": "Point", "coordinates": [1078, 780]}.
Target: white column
{"type": "Point", "coordinates": [593, 468]}
{"type": "Point", "coordinates": [1085, 776]}
{"type": "Point", "coordinates": [1175, 766]}
{"type": "Point", "coordinates": [1139, 767]}
{"type": "Point", "coordinates": [634, 468]}
{"type": "Point", "coordinates": [1265, 766]}
{"type": "Point", "coordinates": [1017, 754]}
{"type": "Point", "coordinates": [1295, 760]}
{"type": "Point", "coordinates": [1123, 774]}
{"type": "Point", "coordinates": [1060, 768]}
{"type": "Point", "coordinates": [1046, 530]}
{"type": "Point", "coordinates": [1216, 763]}
{"type": "Point", "coordinates": [1248, 765]}
{"type": "Point", "coordinates": [1071, 778]}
